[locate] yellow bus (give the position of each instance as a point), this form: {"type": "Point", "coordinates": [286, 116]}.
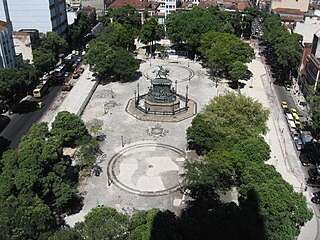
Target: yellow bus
{"type": "Point", "coordinates": [41, 89]}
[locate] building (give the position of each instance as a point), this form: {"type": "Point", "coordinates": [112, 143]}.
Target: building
{"type": "Point", "coordinates": [312, 70]}
{"type": "Point", "coordinates": [43, 15]}
{"type": "Point", "coordinates": [139, 5]}
{"type": "Point", "coordinates": [7, 52]}
{"type": "Point", "coordinates": [302, 5]}
{"type": "Point", "coordinates": [25, 41]}
{"type": "Point", "coordinates": [73, 5]}
{"type": "Point", "coordinates": [307, 29]}
{"type": "Point", "coordinates": [165, 8]}
{"type": "Point", "coordinates": [99, 5]}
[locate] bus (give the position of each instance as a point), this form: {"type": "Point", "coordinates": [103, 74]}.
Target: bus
{"type": "Point", "coordinates": [59, 71]}
{"type": "Point", "coordinates": [41, 89]}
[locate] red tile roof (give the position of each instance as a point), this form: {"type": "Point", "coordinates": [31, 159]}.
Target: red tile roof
{"type": "Point", "coordinates": [288, 11]}
{"type": "Point", "coordinates": [137, 4]}
{"type": "Point", "coordinates": [208, 3]}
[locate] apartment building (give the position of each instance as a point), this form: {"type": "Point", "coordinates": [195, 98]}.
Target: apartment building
{"type": "Point", "coordinates": [99, 5]}
{"type": "Point", "coordinates": [43, 15]}
{"type": "Point", "coordinates": [302, 5]}
{"type": "Point", "coordinates": [7, 52]}
{"type": "Point", "coordinates": [25, 41]}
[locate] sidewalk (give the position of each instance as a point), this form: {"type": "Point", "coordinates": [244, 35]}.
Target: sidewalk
{"type": "Point", "coordinates": [283, 153]}
{"type": "Point", "coordinates": [74, 101]}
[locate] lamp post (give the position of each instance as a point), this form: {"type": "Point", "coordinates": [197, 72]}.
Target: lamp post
{"type": "Point", "coordinates": [187, 87]}
{"type": "Point", "coordinates": [138, 86]}
{"type": "Point", "coordinates": [135, 98]}
{"type": "Point", "coordinates": [176, 86]}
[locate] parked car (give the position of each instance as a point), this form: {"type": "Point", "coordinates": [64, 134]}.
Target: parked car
{"type": "Point", "coordinates": [298, 143]}
{"type": "Point", "coordinates": [40, 105]}
{"type": "Point", "coordinates": [318, 167]}
{"type": "Point", "coordinates": [295, 135]}
{"type": "Point", "coordinates": [315, 200]}
{"type": "Point", "coordinates": [67, 87]}
{"type": "Point", "coordinates": [284, 105]}
{"type": "Point", "coordinates": [288, 87]}
{"type": "Point", "coordinates": [293, 111]}
{"type": "Point", "coordinates": [304, 159]}
{"type": "Point", "coordinates": [75, 74]}
{"type": "Point", "coordinates": [66, 74]}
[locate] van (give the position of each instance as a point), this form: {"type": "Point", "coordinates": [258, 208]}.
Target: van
{"type": "Point", "coordinates": [289, 117]}
{"type": "Point", "coordinates": [292, 126]}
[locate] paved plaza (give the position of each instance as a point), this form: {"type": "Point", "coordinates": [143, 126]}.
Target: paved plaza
{"type": "Point", "coordinates": [143, 159]}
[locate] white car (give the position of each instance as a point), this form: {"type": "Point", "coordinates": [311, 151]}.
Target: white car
{"type": "Point", "coordinates": [298, 143]}
{"type": "Point", "coordinates": [288, 87]}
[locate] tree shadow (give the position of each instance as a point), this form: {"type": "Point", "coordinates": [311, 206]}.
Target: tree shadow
{"type": "Point", "coordinates": [4, 121]}
{"type": "Point", "coordinates": [4, 145]}
{"type": "Point", "coordinates": [212, 219]}
{"type": "Point", "coordinates": [25, 107]}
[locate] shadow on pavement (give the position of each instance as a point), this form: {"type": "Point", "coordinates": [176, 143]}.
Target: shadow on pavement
{"type": "Point", "coordinates": [4, 121]}
{"type": "Point", "coordinates": [212, 219]}
{"type": "Point", "coordinates": [4, 145]}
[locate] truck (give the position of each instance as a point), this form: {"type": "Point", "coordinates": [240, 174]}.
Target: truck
{"type": "Point", "coordinates": [307, 140]}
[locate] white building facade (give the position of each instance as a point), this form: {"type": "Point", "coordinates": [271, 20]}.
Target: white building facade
{"type": "Point", "coordinates": [43, 15]}
{"type": "Point", "coordinates": [165, 8]}
{"type": "Point", "coordinates": [7, 52]}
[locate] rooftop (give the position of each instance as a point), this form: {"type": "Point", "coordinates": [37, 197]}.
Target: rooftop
{"type": "Point", "coordinates": [136, 4]}
{"type": "Point", "coordinates": [3, 26]}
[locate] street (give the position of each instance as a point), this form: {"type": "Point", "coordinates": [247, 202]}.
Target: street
{"type": "Point", "coordinates": [19, 124]}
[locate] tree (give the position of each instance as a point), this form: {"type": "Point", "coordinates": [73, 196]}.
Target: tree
{"type": "Point", "coordinates": [150, 32]}
{"type": "Point", "coordinates": [45, 57]}
{"type": "Point", "coordinates": [111, 61]}
{"type": "Point", "coordinates": [181, 30]}
{"type": "Point", "coordinates": [282, 209]}
{"type": "Point", "coordinates": [237, 70]}
{"type": "Point", "coordinates": [255, 149]}
{"type": "Point", "coordinates": [226, 120]}
{"type": "Point", "coordinates": [15, 83]}
{"type": "Point", "coordinates": [123, 64]}
{"type": "Point", "coordinates": [99, 57]}
{"type": "Point", "coordinates": [54, 43]}
{"type": "Point", "coordinates": [125, 15]}
{"type": "Point", "coordinates": [26, 217]}
{"type": "Point", "coordinates": [212, 176]}
{"type": "Point", "coordinates": [118, 35]}
{"type": "Point", "coordinates": [69, 126]}
{"type": "Point", "coordinates": [103, 223]}
{"type": "Point", "coordinates": [221, 50]}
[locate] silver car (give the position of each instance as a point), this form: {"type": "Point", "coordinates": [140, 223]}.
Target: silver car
{"type": "Point", "coordinates": [295, 135]}
{"type": "Point", "coordinates": [298, 143]}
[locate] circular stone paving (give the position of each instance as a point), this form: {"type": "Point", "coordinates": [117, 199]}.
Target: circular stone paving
{"type": "Point", "coordinates": [147, 169]}
{"type": "Point", "coordinates": [176, 72]}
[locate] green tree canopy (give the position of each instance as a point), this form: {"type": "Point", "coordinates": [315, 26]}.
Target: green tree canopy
{"type": "Point", "coordinates": [15, 83]}
{"type": "Point", "coordinates": [69, 126]}
{"type": "Point", "coordinates": [237, 70]}
{"type": "Point", "coordinates": [181, 30]}
{"type": "Point", "coordinates": [103, 223]}
{"type": "Point", "coordinates": [26, 217]}
{"type": "Point", "coordinates": [222, 50]}
{"type": "Point", "coordinates": [111, 61]}
{"type": "Point", "coordinates": [226, 120]}
{"type": "Point", "coordinates": [125, 15]}
{"type": "Point", "coordinates": [118, 35]}
{"type": "Point", "coordinates": [151, 31]}
{"type": "Point", "coordinates": [45, 57]}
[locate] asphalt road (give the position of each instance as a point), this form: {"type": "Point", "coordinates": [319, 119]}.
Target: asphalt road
{"type": "Point", "coordinates": [20, 123]}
